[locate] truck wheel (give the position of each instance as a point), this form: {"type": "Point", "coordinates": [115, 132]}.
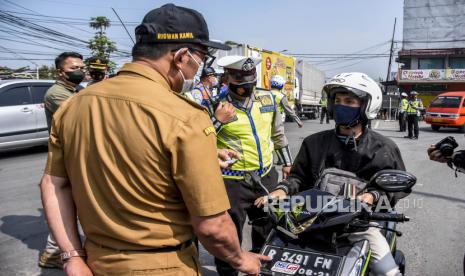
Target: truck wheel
{"type": "Point", "coordinates": [435, 127]}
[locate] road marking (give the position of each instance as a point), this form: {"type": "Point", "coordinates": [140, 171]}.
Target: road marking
{"type": "Point", "coordinates": [377, 124]}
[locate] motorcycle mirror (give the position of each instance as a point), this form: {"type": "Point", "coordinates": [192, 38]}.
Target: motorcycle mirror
{"type": "Point", "coordinates": [393, 180]}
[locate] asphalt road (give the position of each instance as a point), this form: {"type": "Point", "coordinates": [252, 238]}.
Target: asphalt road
{"type": "Point", "coordinates": [433, 241]}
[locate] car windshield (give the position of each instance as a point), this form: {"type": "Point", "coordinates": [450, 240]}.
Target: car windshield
{"type": "Point", "coordinates": [451, 102]}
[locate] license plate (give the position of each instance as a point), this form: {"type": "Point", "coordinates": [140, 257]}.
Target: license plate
{"type": "Point", "coordinates": [437, 120]}
{"type": "Point", "coordinates": [287, 261]}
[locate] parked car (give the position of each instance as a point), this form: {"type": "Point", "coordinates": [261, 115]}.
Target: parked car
{"type": "Point", "coordinates": [22, 115]}
{"type": "Point", "coordinates": [447, 110]}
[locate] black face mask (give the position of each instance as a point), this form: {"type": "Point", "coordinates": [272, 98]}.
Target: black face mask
{"type": "Point", "coordinates": [75, 77]}
{"type": "Point", "coordinates": [248, 89]}
{"type": "Point", "coordinates": [97, 75]}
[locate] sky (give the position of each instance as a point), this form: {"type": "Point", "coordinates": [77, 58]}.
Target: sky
{"type": "Point", "coordinates": [297, 26]}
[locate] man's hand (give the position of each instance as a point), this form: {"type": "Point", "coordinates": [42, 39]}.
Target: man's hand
{"type": "Point", "coordinates": [250, 263]}
{"type": "Point", "coordinates": [76, 267]}
{"type": "Point", "coordinates": [286, 171]}
{"type": "Point", "coordinates": [225, 155]}
{"type": "Point", "coordinates": [279, 194]}
{"type": "Point", "coordinates": [367, 198]}
{"type": "Point", "coordinates": [225, 112]}
{"type": "Point", "coordinates": [435, 155]}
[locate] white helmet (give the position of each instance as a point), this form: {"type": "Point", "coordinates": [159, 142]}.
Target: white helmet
{"type": "Point", "coordinates": [277, 81]}
{"type": "Point", "coordinates": [362, 86]}
{"type": "Point", "coordinates": [404, 94]}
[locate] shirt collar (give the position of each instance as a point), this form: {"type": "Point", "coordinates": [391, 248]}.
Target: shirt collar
{"type": "Point", "coordinates": [145, 71]}
{"type": "Point", "coordinates": [67, 86]}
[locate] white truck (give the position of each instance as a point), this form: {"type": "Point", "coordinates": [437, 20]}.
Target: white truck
{"type": "Point", "coordinates": [308, 89]}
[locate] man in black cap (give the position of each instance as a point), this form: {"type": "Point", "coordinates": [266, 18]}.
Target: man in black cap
{"type": "Point", "coordinates": [137, 183]}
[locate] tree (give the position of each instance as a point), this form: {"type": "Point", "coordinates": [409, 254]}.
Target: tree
{"type": "Point", "coordinates": [101, 46]}
{"type": "Point", "coordinates": [47, 72]}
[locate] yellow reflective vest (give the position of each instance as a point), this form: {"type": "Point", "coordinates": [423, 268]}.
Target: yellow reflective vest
{"type": "Point", "coordinates": [324, 102]}
{"type": "Point", "coordinates": [412, 107]}
{"type": "Point", "coordinates": [278, 96]}
{"type": "Point", "coordinates": [250, 135]}
{"type": "Point", "coordinates": [403, 105]}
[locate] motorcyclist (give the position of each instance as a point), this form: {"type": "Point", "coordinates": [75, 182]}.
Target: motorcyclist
{"type": "Point", "coordinates": [353, 99]}
{"type": "Point", "coordinates": [277, 84]}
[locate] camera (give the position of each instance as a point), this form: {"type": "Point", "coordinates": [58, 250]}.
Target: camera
{"type": "Point", "coordinates": [446, 146]}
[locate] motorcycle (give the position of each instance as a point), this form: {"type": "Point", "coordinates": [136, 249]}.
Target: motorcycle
{"type": "Point", "coordinates": [310, 238]}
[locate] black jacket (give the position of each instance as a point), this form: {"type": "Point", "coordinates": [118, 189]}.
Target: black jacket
{"type": "Point", "coordinates": [324, 150]}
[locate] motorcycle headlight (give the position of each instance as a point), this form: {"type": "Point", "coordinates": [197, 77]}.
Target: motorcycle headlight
{"type": "Point", "coordinates": [357, 269]}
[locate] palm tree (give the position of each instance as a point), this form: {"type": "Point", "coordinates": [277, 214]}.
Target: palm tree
{"type": "Point", "coordinates": [100, 23]}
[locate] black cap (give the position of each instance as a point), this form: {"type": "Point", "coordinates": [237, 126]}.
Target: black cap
{"type": "Point", "coordinates": [208, 71]}
{"type": "Point", "coordinates": [173, 24]}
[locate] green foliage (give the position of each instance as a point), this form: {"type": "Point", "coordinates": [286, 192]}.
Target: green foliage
{"type": "Point", "coordinates": [101, 46]}
{"type": "Point", "coordinates": [47, 72]}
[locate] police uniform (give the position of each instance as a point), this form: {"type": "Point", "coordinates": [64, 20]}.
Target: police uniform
{"type": "Point", "coordinates": [97, 69]}
{"type": "Point", "coordinates": [256, 131]}
{"type": "Point", "coordinates": [413, 113]}
{"type": "Point", "coordinates": [142, 160]}
{"type": "Point", "coordinates": [324, 110]}
{"type": "Point", "coordinates": [402, 116]}
{"type": "Point", "coordinates": [283, 105]}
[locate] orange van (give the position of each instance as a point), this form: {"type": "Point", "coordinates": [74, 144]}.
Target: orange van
{"type": "Point", "coordinates": [447, 110]}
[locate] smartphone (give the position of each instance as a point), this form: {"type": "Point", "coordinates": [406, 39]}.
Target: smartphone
{"type": "Point", "coordinates": [231, 161]}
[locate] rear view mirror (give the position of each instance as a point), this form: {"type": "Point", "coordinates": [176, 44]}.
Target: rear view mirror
{"type": "Point", "coordinates": [393, 180]}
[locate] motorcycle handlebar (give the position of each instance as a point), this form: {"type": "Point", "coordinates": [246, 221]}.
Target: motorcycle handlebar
{"type": "Point", "coordinates": [386, 217]}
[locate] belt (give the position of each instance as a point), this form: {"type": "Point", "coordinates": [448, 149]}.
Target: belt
{"type": "Point", "coordinates": [165, 249]}
{"type": "Point", "coordinates": [258, 172]}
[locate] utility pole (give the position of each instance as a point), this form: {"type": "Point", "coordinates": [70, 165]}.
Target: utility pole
{"type": "Point", "coordinates": [124, 26]}
{"type": "Point", "coordinates": [390, 55]}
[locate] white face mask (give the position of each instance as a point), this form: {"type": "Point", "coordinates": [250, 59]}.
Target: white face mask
{"type": "Point", "coordinates": [188, 84]}
{"type": "Point", "coordinates": [215, 82]}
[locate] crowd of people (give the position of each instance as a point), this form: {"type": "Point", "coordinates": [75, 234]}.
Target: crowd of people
{"type": "Point", "coordinates": [148, 162]}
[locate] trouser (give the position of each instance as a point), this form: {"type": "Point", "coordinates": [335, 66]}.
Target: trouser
{"type": "Point", "coordinates": [242, 196]}
{"type": "Point", "coordinates": [412, 120]}
{"type": "Point", "coordinates": [382, 262]}
{"type": "Point", "coordinates": [324, 112]}
{"type": "Point", "coordinates": [106, 261]}
{"type": "Point", "coordinates": [52, 246]}
{"type": "Point", "coordinates": [402, 121]}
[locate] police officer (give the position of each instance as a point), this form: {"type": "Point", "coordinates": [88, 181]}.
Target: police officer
{"type": "Point", "coordinates": [202, 92]}
{"type": "Point", "coordinates": [255, 132]}
{"type": "Point", "coordinates": [414, 107]}
{"type": "Point", "coordinates": [403, 105]}
{"type": "Point", "coordinates": [324, 109]}
{"type": "Point", "coordinates": [277, 83]}
{"type": "Point", "coordinates": [142, 161]}
{"type": "Point", "coordinates": [202, 95]}
{"type": "Point", "coordinates": [98, 69]}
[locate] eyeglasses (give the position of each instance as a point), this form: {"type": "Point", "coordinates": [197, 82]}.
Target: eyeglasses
{"type": "Point", "coordinates": [208, 57]}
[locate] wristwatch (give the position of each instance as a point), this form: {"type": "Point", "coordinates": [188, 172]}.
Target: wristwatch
{"type": "Point", "coordinates": [66, 255]}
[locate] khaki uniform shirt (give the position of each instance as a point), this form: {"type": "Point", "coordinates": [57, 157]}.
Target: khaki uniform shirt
{"type": "Point", "coordinates": [140, 158]}
{"type": "Point", "coordinates": [55, 96]}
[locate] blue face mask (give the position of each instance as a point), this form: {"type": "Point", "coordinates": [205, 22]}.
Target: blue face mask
{"type": "Point", "coordinates": [346, 115]}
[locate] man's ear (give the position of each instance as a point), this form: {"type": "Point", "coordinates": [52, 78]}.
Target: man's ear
{"type": "Point", "coordinates": [180, 58]}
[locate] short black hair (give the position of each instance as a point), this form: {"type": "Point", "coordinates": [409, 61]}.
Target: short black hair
{"type": "Point", "coordinates": [156, 50]}
{"type": "Point", "coordinates": [60, 60]}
